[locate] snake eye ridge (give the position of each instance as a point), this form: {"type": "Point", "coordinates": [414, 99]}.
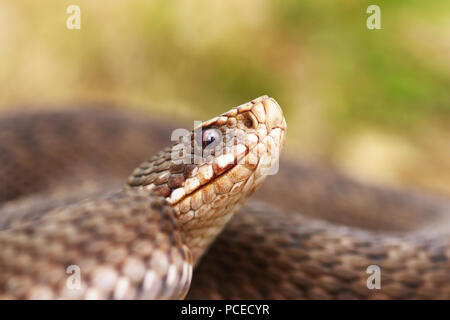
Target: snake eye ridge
{"type": "Point", "coordinates": [210, 138]}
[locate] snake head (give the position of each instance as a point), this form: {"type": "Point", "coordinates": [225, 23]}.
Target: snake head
{"type": "Point", "coordinates": [214, 168]}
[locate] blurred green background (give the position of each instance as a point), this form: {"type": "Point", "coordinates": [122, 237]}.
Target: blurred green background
{"type": "Point", "coordinates": [374, 103]}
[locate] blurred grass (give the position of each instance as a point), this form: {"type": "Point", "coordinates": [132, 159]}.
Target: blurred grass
{"type": "Point", "coordinates": [375, 103]}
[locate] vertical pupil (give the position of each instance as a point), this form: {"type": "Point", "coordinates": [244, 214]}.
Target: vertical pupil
{"type": "Point", "coordinates": [208, 138]}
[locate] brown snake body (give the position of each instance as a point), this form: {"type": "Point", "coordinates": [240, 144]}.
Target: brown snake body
{"type": "Point", "coordinates": [310, 233]}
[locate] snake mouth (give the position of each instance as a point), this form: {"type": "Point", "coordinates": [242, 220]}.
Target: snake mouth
{"type": "Point", "coordinates": [220, 169]}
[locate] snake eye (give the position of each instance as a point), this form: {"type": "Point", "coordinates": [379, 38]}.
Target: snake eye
{"type": "Point", "coordinates": [210, 138]}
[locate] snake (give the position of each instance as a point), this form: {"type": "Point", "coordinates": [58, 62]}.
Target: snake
{"type": "Point", "coordinates": [93, 205]}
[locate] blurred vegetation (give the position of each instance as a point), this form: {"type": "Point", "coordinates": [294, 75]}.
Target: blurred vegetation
{"type": "Point", "coordinates": [375, 103]}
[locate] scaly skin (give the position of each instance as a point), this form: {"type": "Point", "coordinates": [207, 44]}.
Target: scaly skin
{"type": "Point", "coordinates": [280, 250]}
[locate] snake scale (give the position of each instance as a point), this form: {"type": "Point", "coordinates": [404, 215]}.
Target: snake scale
{"type": "Point", "coordinates": [184, 229]}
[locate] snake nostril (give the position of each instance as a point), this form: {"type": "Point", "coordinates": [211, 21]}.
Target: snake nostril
{"type": "Point", "coordinates": [248, 122]}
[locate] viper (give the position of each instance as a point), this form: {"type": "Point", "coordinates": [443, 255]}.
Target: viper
{"type": "Point", "coordinates": [180, 225]}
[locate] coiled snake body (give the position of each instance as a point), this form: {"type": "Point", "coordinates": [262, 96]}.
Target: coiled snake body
{"type": "Point", "coordinates": [309, 232]}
